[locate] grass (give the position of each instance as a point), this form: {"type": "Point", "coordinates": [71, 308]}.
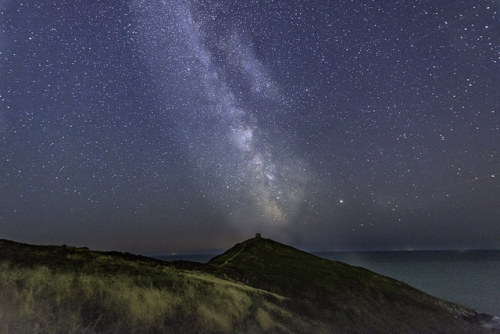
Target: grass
{"type": "Point", "coordinates": [258, 286]}
{"type": "Point", "coordinates": [42, 300]}
{"type": "Point", "coordinates": [79, 291]}
{"type": "Point", "coordinates": [344, 297]}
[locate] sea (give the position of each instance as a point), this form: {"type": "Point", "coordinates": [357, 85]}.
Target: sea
{"type": "Point", "coordinates": [470, 278]}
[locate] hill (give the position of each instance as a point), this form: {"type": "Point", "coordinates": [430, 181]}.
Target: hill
{"type": "Point", "coordinates": [256, 286]}
{"type": "Point", "coordinates": [346, 298]}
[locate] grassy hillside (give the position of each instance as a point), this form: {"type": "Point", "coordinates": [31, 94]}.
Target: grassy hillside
{"type": "Point", "coordinates": [51, 289]}
{"type": "Point", "coordinates": [257, 286]}
{"type": "Point", "coordinates": [346, 298]}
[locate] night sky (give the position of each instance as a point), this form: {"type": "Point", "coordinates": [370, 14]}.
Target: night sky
{"type": "Point", "coordinates": [151, 126]}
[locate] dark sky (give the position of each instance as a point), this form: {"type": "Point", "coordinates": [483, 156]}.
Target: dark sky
{"type": "Point", "coordinates": [150, 126]}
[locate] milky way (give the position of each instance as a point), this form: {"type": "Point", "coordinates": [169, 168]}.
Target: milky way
{"type": "Point", "coordinates": [163, 125]}
{"type": "Point", "coordinates": [239, 154]}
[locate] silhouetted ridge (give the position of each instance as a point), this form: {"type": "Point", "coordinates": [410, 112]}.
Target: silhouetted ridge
{"type": "Point", "coordinates": [335, 292]}
{"type": "Point", "coordinates": [257, 286]}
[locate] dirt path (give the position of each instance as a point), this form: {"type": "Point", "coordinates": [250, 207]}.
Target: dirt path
{"type": "Point", "coordinates": [232, 257]}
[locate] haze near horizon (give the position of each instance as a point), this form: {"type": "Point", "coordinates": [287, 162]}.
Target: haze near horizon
{"type": "Point", "coordinates": [151, 127]}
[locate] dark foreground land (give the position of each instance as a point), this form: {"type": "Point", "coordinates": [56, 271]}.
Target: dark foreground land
{"type": "Point", "coordinates": [256, 286]}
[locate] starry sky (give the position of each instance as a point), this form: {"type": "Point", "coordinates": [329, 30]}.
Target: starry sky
{"type": "Point", "coordinates": [151, 126]}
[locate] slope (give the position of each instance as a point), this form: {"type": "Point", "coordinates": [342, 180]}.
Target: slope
{"type": "Point", "coordinates": [258, 286]}
{"type": "Point", "coordinates": [348, 299]}
{"type": "Point", "coordinates": [61, 289]}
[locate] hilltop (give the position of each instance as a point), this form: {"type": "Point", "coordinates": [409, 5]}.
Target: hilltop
{"type": "Point", "coordinates": [257, 286]}
{"type": "Point", "coordinates": [342, 296]}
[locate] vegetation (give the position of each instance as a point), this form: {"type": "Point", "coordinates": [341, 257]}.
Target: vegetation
{"type": "Point", "coordinates": [47, 289]}
{"type": "Point", "coordinates": [257, 286]}
{"type": "Point", "coordinates": [345, 298]}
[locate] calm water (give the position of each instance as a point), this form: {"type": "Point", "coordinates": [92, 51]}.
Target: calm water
{"type": "Point", "coordinates": [470, 278]}
{"type": "Point", "coordinates": [202, 258]}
